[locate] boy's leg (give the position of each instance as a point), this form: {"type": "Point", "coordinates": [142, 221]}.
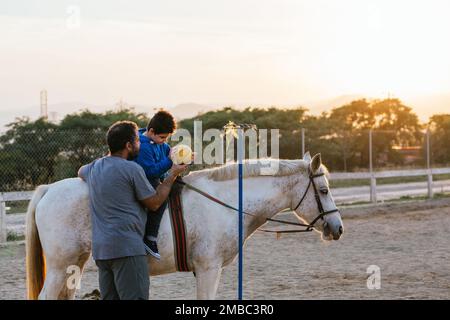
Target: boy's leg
{"type": "Point", "coordinates": [154, 217]}
{"type": "Point", "coordinates": [153, 222]}
{"type": "Point", "coordinates": [131, 277]}
{"type": "Point", "coordinates": [151, 230]}
{"type": "Point", "coordinates": [107, 287]}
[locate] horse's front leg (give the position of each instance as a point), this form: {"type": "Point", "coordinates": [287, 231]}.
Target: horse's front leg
{"type": "Point", "coordinates": [207, 282]}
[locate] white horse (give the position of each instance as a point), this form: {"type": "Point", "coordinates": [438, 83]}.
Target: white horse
{"type": "Point", "coordinates": [59, 227]}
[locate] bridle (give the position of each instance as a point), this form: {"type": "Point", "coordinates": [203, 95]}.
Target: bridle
{"type": "Point", "coordinates": [309, 227]}
{"type": "Point", "coordinates": [322, 212]}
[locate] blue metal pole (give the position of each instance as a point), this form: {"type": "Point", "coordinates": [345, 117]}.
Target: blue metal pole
{"type": "Point", "coordinates": [241, 213]}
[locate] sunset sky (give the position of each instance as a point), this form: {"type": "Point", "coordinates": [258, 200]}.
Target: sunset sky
{"type": "Point", "coordinates": [247, 52]}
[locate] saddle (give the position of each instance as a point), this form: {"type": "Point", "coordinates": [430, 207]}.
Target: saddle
{"type": "Point", "coordinates": [178, 226]}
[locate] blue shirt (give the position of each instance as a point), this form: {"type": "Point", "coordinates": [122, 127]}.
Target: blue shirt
{"type": "Point", "coordinates": [118, 218]}
{"type": "Point", "coordinates": [153, 158]}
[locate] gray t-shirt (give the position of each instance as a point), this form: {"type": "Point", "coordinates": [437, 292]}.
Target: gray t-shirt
{"type": "Point", "coordinates": [118, 219]}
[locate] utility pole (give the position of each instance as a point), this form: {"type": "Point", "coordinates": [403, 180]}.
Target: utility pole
{"type": "Point", "coordinates": [44, 110]}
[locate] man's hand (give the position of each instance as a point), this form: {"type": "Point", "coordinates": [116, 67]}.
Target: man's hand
{"type": "Point", "coordinates": [177, 169]}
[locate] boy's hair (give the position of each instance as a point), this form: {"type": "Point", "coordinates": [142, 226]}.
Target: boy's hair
{"type": "Point", "coordinates": [162, 122]}
{"type": "Point", "coordinates": [119, 134]}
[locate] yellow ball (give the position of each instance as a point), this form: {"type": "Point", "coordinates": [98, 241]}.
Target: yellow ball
{"type": "Point", "coordinates": [181, 154]}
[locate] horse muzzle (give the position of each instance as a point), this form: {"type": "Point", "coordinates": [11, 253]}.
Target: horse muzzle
{"type": "Point", "coordinates": [332, 232]}
{"type": "Point", "coordinates": [338, 232]}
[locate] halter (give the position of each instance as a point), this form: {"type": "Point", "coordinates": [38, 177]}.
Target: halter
{"type": "Point", "coordinates": [309, 227]}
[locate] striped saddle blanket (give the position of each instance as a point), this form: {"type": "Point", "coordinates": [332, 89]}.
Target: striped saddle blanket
{"type": "Point", "coordinates": [178, 227]}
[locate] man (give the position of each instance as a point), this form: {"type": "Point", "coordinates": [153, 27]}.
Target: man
{"type": "Point", "coordinates": [118, 193]}
{"type": "Point", "coordinates": [154, 158]}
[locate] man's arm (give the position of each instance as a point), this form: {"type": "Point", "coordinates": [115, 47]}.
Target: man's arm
{"type": "Point", "coordinates": [162, 191]}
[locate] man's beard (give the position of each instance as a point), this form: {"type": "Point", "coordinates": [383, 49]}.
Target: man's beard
{"type": "Point", "coordinates": [133, 154]}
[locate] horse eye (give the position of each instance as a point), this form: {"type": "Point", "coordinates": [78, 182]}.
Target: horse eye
{"type": "Point", "coordinates": [324, 191]}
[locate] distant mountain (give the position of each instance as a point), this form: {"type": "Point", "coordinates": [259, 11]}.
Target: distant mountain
{"type": "Point", "coordinates": [57, 111]}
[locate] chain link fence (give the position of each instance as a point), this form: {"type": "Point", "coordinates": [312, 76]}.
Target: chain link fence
{"type": "Point", "coordinates": [45, 156]}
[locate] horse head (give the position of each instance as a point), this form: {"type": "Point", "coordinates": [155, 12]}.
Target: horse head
{"type": "Point", "coordinates": [312, 200]}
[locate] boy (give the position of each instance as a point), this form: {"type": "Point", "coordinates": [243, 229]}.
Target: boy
{"type": "Point", "coordinates": [154, 159]}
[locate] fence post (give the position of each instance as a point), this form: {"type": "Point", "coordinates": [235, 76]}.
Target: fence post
{"type": "Point", "coordinates": [430, 184]}
{"type": "Point", "coordinates": [303, 143]}
{"type": "Point", "coordinates": [429, 174]}
{"type": "Point", "coordinates": [3, 232]}
{"type": "Point", "coordinates": [373, 181]}
{"type": "Point", "coordinates": [373, 189]}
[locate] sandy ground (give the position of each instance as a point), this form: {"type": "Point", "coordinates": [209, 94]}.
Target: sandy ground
{"type": "Point", "coordinates": [411, 248]}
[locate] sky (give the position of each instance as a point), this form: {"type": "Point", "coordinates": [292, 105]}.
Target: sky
{"type": "Point", "coordinates": [246, 52]}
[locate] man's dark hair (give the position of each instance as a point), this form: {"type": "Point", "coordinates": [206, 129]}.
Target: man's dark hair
{"type": "Point", "coordinates": [162, 122]}
{"type": "Point", "coordinates": [119, 134]}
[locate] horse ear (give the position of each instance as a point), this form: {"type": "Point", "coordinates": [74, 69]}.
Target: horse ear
{"type": "Point", "coordinates": [307, 156]}
{"type": "Point", "coordinates": [316, 162]}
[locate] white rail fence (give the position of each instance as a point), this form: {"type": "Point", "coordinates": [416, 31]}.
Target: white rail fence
{"type": "Point", "coordinates": [26, 195]}
{"type": "Point", "coordinates": [390, 174]}
{"type": "Point", "coordinates": [9, 197]}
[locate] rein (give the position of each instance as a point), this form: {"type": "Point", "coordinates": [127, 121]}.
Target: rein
{"type": "Point", "coordinates": [309, 227]}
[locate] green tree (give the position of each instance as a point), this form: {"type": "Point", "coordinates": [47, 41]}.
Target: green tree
{"type": "Point", "coordinates": [28, 154]}
{"type": "Point", "coordinates": [440, 138]}
{"type": "Point", "coordinates": [287, 120]}
{"type": "Point", "coordinates": [38, 152]}
{"type": "Point", "coordinates": [83, 136]}
{"type": "Point", "coordinates": [342, 134]}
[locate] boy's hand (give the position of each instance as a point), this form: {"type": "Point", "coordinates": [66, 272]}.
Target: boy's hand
{"type": "Point", "coordinates": [176, 169]}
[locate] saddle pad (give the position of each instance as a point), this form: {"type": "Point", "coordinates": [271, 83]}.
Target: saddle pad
{"type": "Point", "coordinates": [178, 228]}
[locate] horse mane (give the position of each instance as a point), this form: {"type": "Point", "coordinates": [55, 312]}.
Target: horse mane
{"type": "Point", "coordinates": [252, 168]}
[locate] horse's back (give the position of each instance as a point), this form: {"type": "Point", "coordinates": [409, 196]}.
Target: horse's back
{"type": "Point", "coordinates": [61, 198]}
{"type": "Point", "coordinates": [62, 217]}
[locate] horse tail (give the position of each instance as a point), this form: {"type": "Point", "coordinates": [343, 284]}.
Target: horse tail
{"type": "Point", "coordinates": [35, 261]}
